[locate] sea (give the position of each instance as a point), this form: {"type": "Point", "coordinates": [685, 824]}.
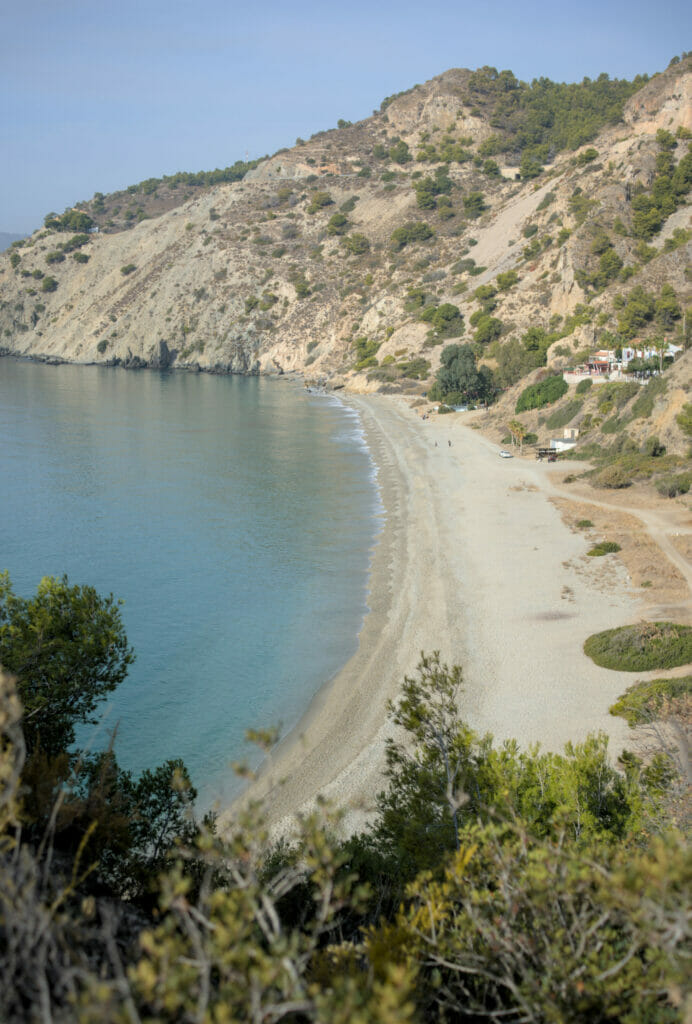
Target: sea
{"type": "Point", "coordinates": [234, 517]}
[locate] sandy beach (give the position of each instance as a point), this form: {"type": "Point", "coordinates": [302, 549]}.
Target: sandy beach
{"type": "Point", "coordinates": [477, 561]}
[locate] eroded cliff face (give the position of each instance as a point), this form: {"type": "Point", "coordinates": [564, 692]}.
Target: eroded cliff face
{"type": "Point", "coordinates": [261, 277]}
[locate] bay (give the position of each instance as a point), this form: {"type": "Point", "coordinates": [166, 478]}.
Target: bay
{"type": "Point", "coordinates": [233, 516]}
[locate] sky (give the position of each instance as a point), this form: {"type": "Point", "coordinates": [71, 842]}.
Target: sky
{"type": "Point", "coordinates": [96, 95]}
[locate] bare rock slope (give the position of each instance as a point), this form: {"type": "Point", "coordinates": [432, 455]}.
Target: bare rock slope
{"type": "Point", "coordinates": [329, 258]}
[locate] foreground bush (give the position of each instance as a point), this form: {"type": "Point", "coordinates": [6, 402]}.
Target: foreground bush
{"type": "Point", "coordinates": [644, 702]}
{"type": "Point", "coordinates": [639, 648]}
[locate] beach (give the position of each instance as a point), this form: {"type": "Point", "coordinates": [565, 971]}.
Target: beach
{"type": "Point", "coordinates": [477, 561]}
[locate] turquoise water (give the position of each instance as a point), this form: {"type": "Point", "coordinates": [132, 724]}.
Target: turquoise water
{"type": "Point", "coordinates": [234, 516]}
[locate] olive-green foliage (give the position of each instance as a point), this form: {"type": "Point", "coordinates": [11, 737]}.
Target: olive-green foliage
{"type": "Point", "coordinates": [318, 200]}
{"type": "Point", "coordinates": [677, 483]}
{"type": "Point", "coordinates": [55, 257]}
{"type": "Point", "coordinates": [414, 231]}
{"type": "Point", "coordinates": [684, 419]}
{"type": "Point", "coordinates": [68, 649]}
{"type": "Point", "coordinates": [515, 929]}
{"type": "Point", "coordinates": [535, 396]}
{"type": "Point", "coordinates": [584, 385]}
{"type": "Point", "coordinates": [399, 152]}
{"type": "Point", "coordinates": [642, 702]}
{"type": "Point", "coordinates": [356, 244]}
{"type": "Point", "coordinates": [543, 897]}
{"type": "Point", "coordinates": [545, 202]}
{"type": "Point", "coordinates": [580, 205]}
{"type": "Point", "coordinates": [446, 320]}
{"type": "Point", "coordinates": [129, 268]}
{"type": "Point", "coordinates": [198, 179]}
{"type": "Point", "coordinates": [459, 380]}
{"type": "Point", "coordinates": [668, 190]}
{"type": "Point", "coordinates": [584, 524]}
{"type": "Point", "coordinates": [615, 393]}
{"type": "Point", "coordinates": [506, 280]}
{"type": "Point", "coordinates": [338, 224]}
{"type": "Point", "coordinates": [487, 328]}
{"type": "Point", "coordinates": [647, 645]}
{"type": "Point", "coordinates": [301, 285]}
{"type": "Point", "coordinates": [80, 257]}
{"type": "Point", "coordinates": [365, 353]}
{"type": "Point", "coordinates": [71, 220]}
{"type": "Point", "coordinates": [604, 547]}
{"type": "Point", "coordinates": [429, 189]}
{"type": "Point", "coordinates": [561, 417]}
{"type": "Point", "coordinates": [49, 284]}
{"type": "Point", "coordinates": [474, 204]}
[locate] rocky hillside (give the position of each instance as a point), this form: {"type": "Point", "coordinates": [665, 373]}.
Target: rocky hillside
{"type": "Point", "coordinates": [452, 212]}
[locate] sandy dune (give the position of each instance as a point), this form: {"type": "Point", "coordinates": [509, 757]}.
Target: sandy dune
{"type": "Point", "coordinates": [476, 562]}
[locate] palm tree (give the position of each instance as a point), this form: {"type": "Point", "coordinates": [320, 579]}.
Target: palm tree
{"type": "Point", "coordinates": [518, 432]}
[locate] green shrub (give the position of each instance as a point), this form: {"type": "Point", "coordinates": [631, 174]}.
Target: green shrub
{"type": "Point", "coordinates": [506, 280]}
{"type": "Point", "coordinates": [414, 231]}
{"type": "Point", "coordinates": [548, 390]}
{"type": "Point", "coordinates": [102, 345]}
{"type": "Point", "coordinates": [49, 284]}
{"type": "Point", "coordinates": [671, 486]}
{"type": "Point", "coordinates": [684, 418]}
{"type": "Point", "coordinates": [561, 417]}
{"type": "Point", "coordinates": [614, 477]}
{"type": "Point", "coordinates": [474, 204]}
{"type": "Point", "coordinates": [129, 268]}
{"type": "Point", "coordinates": [337, 224]}
{"type": "Point", "coordinates": [641, 647]}
{"type": "Point", "coordinates": [365, 353]}
{"type": "Point", "coordinates": [318, 201]}
{"type": "Point", "coordinates": [55, 257]}
{"type": "Point", "coordinates": [604, 547]}
{"type": "Point", "coordinates": [584, 385]}
{"type": "Point", "coordinates": [642, 702]}
{"type": "Point", "coordinates": [80, 257]}
{"type": "Point", "coordinates": [584, 524]}
{"type": "Point", "coordinates": [356, 244]}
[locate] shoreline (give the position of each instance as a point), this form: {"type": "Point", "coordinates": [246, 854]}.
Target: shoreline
{"type": "Point", "coordinates": [473, 560]}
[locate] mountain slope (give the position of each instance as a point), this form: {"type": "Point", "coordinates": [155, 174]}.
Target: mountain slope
{"type": "Point", "coordinates": [261, 276]}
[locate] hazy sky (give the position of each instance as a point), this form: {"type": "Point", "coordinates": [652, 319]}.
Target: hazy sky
{"type": "Point", "coordinates": [97, 95]}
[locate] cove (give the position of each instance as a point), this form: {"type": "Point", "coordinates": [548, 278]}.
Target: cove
{"type": "Point", "coordinates": [233, 516]}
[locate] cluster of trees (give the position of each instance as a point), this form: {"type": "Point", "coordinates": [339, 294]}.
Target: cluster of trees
{"type": "Point", "coordinates": [433, 191]}
{"type": "Point", "coordinates": [641, 308]}
{"type": "Point", "coordinates": [668, 190]}
{"type": "Point", "coordinates": [459, 380]}
{"type": "Point", "coordinates": [534, 121]}
{"type": "Point", "coordinates": [492, 883]}
{"type": "Point", "coordinates": [236, 172]}
{"type": "Point", "coordinates": [71, 220]}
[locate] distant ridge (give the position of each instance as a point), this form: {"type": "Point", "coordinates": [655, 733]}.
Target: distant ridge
{"type": "Point", "coordinates": [7, 238]}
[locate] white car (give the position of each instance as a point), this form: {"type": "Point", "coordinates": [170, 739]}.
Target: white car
{"type": "Point", "coordinates": [504, 454]}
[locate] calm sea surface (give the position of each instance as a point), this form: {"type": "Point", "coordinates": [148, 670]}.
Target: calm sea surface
{"type": "Point", "coordinates": [234, 516]}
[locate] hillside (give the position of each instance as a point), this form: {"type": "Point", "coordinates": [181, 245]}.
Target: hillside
{"type": "Point", "coordinates": [532, 221]}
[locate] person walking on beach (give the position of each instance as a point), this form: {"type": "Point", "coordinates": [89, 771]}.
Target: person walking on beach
{"type": "Point", "coordinates": [449, 443]}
